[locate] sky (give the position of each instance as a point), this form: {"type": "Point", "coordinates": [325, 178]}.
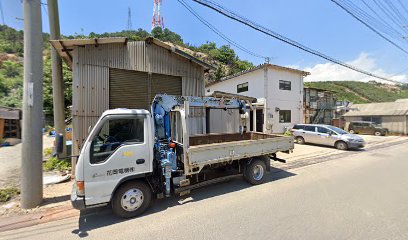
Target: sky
{"type": "Point", "coordinates": [318, 24]}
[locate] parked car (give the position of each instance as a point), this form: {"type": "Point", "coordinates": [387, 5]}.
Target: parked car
{"type": "Point", "coordinates": [364, 127]}
{"type": "Point", "coordinates": [326, 135]}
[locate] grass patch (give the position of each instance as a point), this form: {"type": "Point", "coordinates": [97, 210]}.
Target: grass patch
{"type": "Point", "coordinates": [54, 163]}
{"type": "Point", "coordinates": [47, 152]}
{"type": "Point", "coordinates": [7, 193]}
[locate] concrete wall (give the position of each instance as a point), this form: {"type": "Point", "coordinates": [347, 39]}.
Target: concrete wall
{"type": "Point", "coordinates": [255, 81]}
{"type": "Point", "coordinates": [283, 99]}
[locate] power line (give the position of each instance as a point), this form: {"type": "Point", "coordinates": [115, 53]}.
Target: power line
{"type": "Point", "coordinates": [219, 33]}
{"type": "Point", "coordinates": [220, 9]}
{"type": "Point", "coordinates": [370, 27]}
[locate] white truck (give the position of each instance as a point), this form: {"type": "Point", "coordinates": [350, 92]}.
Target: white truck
{"type": "Point", "coordinates": [131, 156]}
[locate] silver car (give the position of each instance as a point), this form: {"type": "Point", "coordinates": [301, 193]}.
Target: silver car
{"type": "Point", "coordinates": [326, 135]}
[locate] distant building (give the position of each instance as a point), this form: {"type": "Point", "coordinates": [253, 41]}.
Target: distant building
{"type": "Point", "coordinates": [10, 123]}
{"type": "Point", "coordinates": [391, 115]}
{"type": "Point", "coordinates": [279, 94]}
{"type": "Point", "coordinates": [319, 105]}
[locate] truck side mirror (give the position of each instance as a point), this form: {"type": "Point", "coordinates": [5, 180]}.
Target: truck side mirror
{"type": "Point", "coordinates": [59, 143]}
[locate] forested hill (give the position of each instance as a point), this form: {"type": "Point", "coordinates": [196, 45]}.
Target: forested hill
{"type": "Point", "coordinates": [363, 92]}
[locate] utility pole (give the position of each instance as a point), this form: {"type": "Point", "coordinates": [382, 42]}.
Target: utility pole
{"type": "Point", "coordinates": [57, 82]}
{"type": "Point", "coordinates": [31, 179]}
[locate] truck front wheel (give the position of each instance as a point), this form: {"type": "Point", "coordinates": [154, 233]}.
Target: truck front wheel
{"type": "Point", "coordinates": [131, 199]}
{"type": "Point", "coordinates": [255, 172]}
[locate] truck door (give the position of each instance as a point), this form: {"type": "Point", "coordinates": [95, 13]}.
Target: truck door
{"type": "Point", "coordinates": [119, 148]}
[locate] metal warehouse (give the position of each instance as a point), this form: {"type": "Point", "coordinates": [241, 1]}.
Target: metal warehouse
{"type": "Point", "coordinates": [114, 73]}
{"type": "Point", "coordinates": [391, 115]}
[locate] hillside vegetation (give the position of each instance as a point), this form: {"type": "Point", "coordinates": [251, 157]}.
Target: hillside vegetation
{"type": "Point", "coordinates": [363, 92]}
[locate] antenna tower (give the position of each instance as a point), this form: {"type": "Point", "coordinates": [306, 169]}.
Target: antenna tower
{"type": "Point", "coordinates": [129, 21]}
{"type": "Point", "coordinates": [157, 20]}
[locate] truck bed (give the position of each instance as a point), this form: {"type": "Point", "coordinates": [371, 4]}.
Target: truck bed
{"type": "Point", "coordinates": [216, 148]}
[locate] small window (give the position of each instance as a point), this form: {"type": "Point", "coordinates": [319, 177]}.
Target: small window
{"type": "Point", "coordinates": [309, 128]}
{"type": "Point", "coordinates": [114, 133]}
{"type": "Point", "coordinates": [285, 85]}
{"type": "Point", "coordinates": [243, 87]}
{"type": "Point", "coordinates": [285, 116]}
{"type": "Point", "coordinates": [323, 130]}
{"type": "Point", "coordinates": [298, 126]}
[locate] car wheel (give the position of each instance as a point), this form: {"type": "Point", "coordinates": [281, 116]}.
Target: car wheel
{"type": "Point", "coordinates": [377, 133]}
{"type": "Point", "coordinates": [341, 145]}
{"type": "Point", "coordinates": [300, 140]}
{"type": "Point", "coordinates": [255, 172]}
{"type": "Point", "coordinates": [131, 199]}
{"type": "Point", "coordinates": [352, 131]}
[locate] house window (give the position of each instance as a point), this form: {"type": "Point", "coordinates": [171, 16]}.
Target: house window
{"type": "Point", "coordinates": [285, 85]}
{"type": "Point", "coordinates": [377, 120]}
{"type": "Point", "coordinates": [285, 116]}
{"type": "Point", "coordinates": [243, 87]}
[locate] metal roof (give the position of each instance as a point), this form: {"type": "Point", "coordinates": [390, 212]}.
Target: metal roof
{"type": "Point", "coordinates": [257, 68]}
{"type": "Point", "coordinates": [65, 46]}
{"type": "Point", "coordinates": [379, 109]}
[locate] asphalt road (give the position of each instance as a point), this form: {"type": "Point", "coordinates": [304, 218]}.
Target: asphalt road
{"type": "Point", "coordinates": [360, 196]}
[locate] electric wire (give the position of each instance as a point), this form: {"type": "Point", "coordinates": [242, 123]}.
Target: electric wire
{"type": "Point", "coordinates": [219, 33]}
{"type": "Point", "coordinates": [370, 27]}
{"type": "Point", "coordinates": [234, 16]}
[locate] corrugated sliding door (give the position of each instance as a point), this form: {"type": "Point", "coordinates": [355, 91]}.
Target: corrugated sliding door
{"type": "Point", "coordinates": [169, 85]}
{"type": "Point", "coordinates": [128, 89]}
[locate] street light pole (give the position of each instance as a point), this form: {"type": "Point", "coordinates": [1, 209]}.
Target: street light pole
{"type": "Point", "coordinates": [31, 178]}
{"type": "Point", "coordinates": [57, 82]}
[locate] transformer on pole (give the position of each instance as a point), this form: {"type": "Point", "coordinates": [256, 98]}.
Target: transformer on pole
{"type": "Point", "coordinates": [157, 20]}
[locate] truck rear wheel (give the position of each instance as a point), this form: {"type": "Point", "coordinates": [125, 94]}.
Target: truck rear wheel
{"type": "Point", "coordinates": [255, 172]}
{"type": "Point", "coordinates": [131, 199]}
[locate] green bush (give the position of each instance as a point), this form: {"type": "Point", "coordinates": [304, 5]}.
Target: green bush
{"type": "Point", "coordinates": [47, 152]}
{"type": "Point", "coordinates": [54, 163]}
{"type": "Point", "coordinates": [7, 193]}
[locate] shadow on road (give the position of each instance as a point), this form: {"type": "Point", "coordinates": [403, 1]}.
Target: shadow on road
{"type": "Point", "coordinates": [100, 217]}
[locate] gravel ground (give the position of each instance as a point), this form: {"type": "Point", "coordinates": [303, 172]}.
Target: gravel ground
{"type": "Point", "coordinates": [10, 163]}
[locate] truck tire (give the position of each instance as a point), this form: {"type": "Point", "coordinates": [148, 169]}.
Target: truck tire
{"type": "Point", "coordinates": [352, 131]}
{"type": "Point", "coordinates": [341, 145]}
{"type": "Point", "coordinates": [300, 140]}
{"type": "Point", "coordinates": [377, 133]}
{"type": "Point", "coordinates": [255, 172]}
{"type": "Point", "coordinates": [131, 199]}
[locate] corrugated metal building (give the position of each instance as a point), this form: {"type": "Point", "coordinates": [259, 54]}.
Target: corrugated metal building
{"type": "Point", "coordinates": [391, 115]}
{"type": "Point", "coordinates": [114, 73]}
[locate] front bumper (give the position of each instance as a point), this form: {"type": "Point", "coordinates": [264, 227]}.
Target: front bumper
{"type": "Point", "coordinates": [356, 144]}
{"type": "Point", "coordinates": [76, 201]}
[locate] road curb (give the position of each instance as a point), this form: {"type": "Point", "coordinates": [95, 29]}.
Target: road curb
{"type": "Point", "coordinates": [31, 219]}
